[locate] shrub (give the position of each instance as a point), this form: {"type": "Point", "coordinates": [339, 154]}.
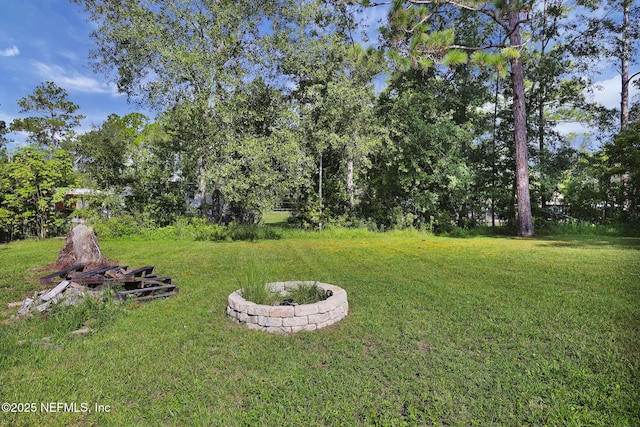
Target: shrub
{"type": "Point", "coordinates": [122, 225]}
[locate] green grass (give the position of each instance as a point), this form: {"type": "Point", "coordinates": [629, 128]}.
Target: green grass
{"type": "Point", "coordinates": [276, 217]}
{"type": "Point", "coordinates": [441, 331]}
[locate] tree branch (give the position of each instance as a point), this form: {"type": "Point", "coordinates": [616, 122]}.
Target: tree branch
{"type": "Point", "coordinates": [633, 76]}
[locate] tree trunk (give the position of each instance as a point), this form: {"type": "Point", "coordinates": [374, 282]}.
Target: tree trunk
{"type": "Point", "coordinates": [542, 98]}
{"type": "Point", "coordinates": [320, 225]}
{"type": "Point", "coordinates": [202, 189]}
{"type": "Point", "coordinates": [525, 219]}
{"type": "Point", "coordinates": [624, 57]}
{"type": "Point", "coordinates": [624, 94]}
{"type": "Point", "coordinates": [350, 185]}
{"type": "Point", "coordinates": [494, 173]}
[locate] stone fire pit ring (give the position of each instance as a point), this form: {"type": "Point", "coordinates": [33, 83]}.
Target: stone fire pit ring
{"type": "Point", "coordinates": [284, 319]}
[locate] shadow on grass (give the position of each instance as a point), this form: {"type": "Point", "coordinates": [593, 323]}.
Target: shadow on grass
{"type": "Point", "coordinates": [561, 240]}
{"type": "Point", "coordinates": [594, 242]}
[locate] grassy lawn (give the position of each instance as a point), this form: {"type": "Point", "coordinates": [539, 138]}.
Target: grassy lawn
{"type": "Point", "coordinates": [441, 331]}
{"type": "Point", "coordinates": [276, 218]}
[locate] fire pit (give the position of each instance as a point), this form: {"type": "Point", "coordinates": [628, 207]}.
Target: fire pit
{"type": "Point", "coordinates": [284, 319]}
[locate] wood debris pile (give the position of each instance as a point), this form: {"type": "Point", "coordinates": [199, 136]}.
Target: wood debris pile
{"type": "Point", "coordinates": [73, 284]}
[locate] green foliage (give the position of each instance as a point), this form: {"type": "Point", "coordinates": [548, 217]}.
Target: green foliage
{"type": "Point", "coordinates": [30, 186]}
{"type": "Point", "coordinates": [624, 153]}
{"type": "Point", "coordinates": [221, 126]}
{"type": "Point", "coordinates": [117, 226]}
{"type": "Point", "coordinates": [55, 115]}
{"type": "Point", "coordinates": [230, 145]}
{"type": "Point", "coordinates": [602, 187]}
{"type": "Point", "coordinates": [4, 129]}
{"type": "Point", "coordinates": [582, 228]}
{"type": "Point", "coordinates": [155, 186]}
{"type": "Point", "coordinates": [190, 229]}
{"type": "Point", "coordinates": [509, 53]}
{"type": "Point", "coordinates": [420, 172]}
{"type": "Point", "coordinates": [490, 60]}
{"type": "Point", "coordinates": [623, 157]}
{"type": "Point", "coordinates": [455, 57]}
{"type": "Point", "coordinates": [309, 213]}
{"type": "Point", "coordinates": [254, 288]}
{"type": "Point", "coordinates": [582, 189]}
{"type": "Point", "coordinates": [106, 153]}
{"type": "Point", "coordinates": [329, 79]}
{"type": "Point", "coordinates": [426, 30]}
{"type": "Point", "coordinates": [136, 166]}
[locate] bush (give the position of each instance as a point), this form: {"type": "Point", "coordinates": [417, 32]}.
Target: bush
{"type": "Point", "coordinates": [120, 226]}
{"type": "Point", "coordinates": [198, 229]}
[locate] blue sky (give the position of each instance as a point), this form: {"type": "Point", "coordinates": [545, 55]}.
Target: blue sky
{"type": "Point", "coordinates": [48, 40]}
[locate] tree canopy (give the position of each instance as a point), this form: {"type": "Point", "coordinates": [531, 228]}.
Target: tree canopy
{"type": "Point", "coordinates": [449, 120]}
{"type": "Point", "coordinates": [55, 115]}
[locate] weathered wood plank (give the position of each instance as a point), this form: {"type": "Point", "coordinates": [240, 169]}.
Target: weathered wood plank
{"type": "Point", "coordinates": [25, 306]}
{"type": "Point", "coordinates": [92, 280]}
{"type": "Point", "coordinates": [77, 286]}
{"type": "Point", "coordinates": [143, 271]}
{"type": "Point", "coordinates": [143, 281]}
{"type": "Point", "coordinates": [93, 271]}
{"type": "Point", "coordinates": [55, 291]}
{"type": "Point", "coordinates": [145, 292]}
{"type": "Point", "coordinates": [49, 278]}
{"type": "Point", "coordinates": [117, 272]}
{"type": "Point", "coordinates": [162, 295]}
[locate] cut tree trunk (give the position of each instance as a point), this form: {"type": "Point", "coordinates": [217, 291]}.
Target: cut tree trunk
{"type": "Point", "coordinates": [81, 247]}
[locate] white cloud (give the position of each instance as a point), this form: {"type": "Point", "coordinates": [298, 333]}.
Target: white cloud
{"type": "Point", "coordinates": [68, 54]}
{"type": "Point", "coordinates": [607, 92]}
{"type": "Point", "coordinates": [11, 51]}
{"type": "Point", "coordinates": [71, 79]}
{"type": "Point", "coordinates": [575, 128]}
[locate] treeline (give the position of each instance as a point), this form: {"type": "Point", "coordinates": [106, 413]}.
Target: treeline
{"type": "Point", "coordinates": [271, 105]}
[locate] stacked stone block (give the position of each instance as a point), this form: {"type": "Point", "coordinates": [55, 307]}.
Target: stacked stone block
{"type": "Point", "coordinates": [288, 319]}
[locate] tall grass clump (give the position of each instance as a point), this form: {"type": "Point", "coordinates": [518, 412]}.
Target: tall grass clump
{"type": "Point", "coordinates": [260, 294]}
{"type": "Point", "coordinates": [306, 294]}
{"type": "Point", "coordinates": [254, 287]}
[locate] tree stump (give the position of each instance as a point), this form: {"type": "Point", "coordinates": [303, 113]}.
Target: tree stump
{"type": "Point", "coordinates": [81, 247]}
